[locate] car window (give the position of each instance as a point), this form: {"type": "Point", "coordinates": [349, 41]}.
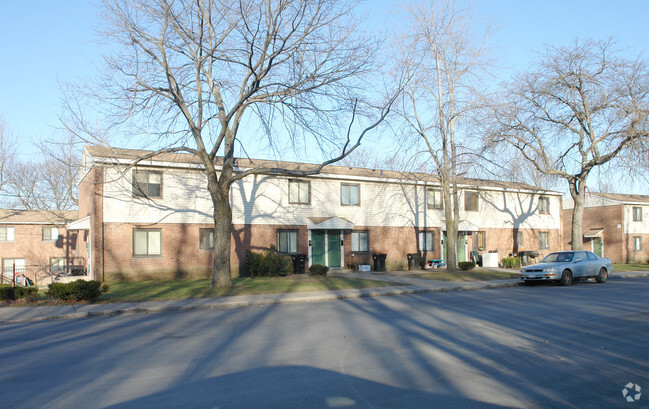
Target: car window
{"type": "Point", "coordinates": [580, 255]}
{"type": "Point", "coordinates": [558, 258]}
{"type": "Point", "coordinates": [591, 256]}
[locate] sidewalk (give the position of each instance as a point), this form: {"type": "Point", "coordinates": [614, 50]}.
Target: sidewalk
{"type": "Point", "coordinates": [410, 285]}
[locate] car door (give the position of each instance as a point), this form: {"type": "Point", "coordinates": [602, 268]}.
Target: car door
{"type": "Point", "coordinates": [580, 264]}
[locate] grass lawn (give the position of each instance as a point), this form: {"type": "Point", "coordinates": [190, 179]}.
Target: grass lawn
{"type": "Point", "coordinates": [182, 289]}
{"type": "Point", "coordinates": [630, 267]}
{"type": "Point", "coordinates": [471, 275]}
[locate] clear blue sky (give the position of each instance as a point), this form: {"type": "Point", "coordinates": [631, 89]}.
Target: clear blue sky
{"type": "Point", "coordinates": [44, 41]}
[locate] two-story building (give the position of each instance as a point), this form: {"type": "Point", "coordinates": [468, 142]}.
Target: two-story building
{"type": "Point", "coordinates": [614, 226]}
{"type": "Point", "coordinates": [155, 219]}
{"type": "Point", "coordinates": [33, 241]}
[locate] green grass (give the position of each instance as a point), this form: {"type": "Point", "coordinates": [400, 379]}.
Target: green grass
{"type": "Point", "coordinates": [631, 267]}
{"type": "Point", "coordinates": [471, 275]}
{"type": "Point", "coordinates": [183, 289]}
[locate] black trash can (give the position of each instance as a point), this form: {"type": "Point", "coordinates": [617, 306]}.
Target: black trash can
{"type": "Point", "coordinates": [379, 262]}
{"type": "Point", "coordinates": [414, 261]}
{"type": "Point", "coordinates": [299, 263]}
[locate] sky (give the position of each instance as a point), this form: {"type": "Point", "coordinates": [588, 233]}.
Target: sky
{"type": "Point", "coordinates": [46, 42]}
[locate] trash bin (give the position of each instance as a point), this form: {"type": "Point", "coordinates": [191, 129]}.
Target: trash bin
{"type": "Point", "coordinates": [414, 261]}
{"type": "Point", "coordinates": [299, 263]}
{"type": "Point", "coordinates": [379, 262]}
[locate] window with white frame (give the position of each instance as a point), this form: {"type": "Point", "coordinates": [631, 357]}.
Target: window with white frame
{"type": "Point", "coordinates": [481, 240]}
{"type": "Point", "coordinates": [57, 265]}
{"type": "Point", "coordinates": [50, 233]}
{"type": "Point", "coordinates": [519, 239]}
{"type": "Point", "coordinates": [299, 191]}
{"type": "Point", "coordinates": [544, 240]}
{"type": "Point", "coordinates": [206, 239]}
{"type": "Point", "coordinates": [637, 214]}
{"type": "Point", "coordinates": [6, 233]}
{"type": "Point", "coordinates": [360, 241]}
{"type": "Point", "coordinates": [426, 241]}
{"type": "Point", "coordinates": [287, 241]}
{"type": "Point", "coordinates": [147, 183]}
{"type": "Point", "coordinates": [11, 264]}
{"type": "Point", "coordinates": [637, 243]}
{"type": "Point", "coordinates": [471, 201]}
{"type": "Point", "coordinates": [350, 194]}
{"type": "Point", "coordinates": [147, 242]}
{"type": "Point", "coordinates": [434, 198]}
{"type": "Point", "coordinates": [544, 205]}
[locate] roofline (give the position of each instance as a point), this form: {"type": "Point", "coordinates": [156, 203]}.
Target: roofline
{"type": "Point", "coordinates": [114, 161]}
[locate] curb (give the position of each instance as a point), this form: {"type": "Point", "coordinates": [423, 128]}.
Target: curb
{"type": "Point", "coordinates": [303, 298]}
{"type": "Point", "coordinates": [223, 303]}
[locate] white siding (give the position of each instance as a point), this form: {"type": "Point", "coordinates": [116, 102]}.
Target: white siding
{"type": "Point", "coordinates": [260, 199]}
{"type": "Point", "coordinates": [632, 227]}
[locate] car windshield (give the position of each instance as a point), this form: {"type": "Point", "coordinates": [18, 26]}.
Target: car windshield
{"type": "Point", "coordinates": [558, 258]}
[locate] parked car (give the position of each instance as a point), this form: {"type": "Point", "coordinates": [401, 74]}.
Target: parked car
{"type": "Point", "coordinates": [568, 266]}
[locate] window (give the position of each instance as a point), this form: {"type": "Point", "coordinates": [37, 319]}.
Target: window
{"type": "Point", "coordinates": [519, 239]}
{"type": "Point", "coordinates": [481, 240]}
{"type": "Point", "coordinates": [544, 242]}
{"type": "Point", "coordinates": [57, 265]}
{"type": "Point", "coordinates": [147, 183]}
{"type": "Point", "coordinates": [206, 239]}
{"type": "Point", "coordinates": [637, 214]}
{"type": "Point", "coordinates": [350, 194]}
{"type": "Point", "coordinates": [637, 243]}
{"type": "Point", "coordinates": [471, 201]}
{"type": "Point", "coordinates": [50, 233]}
{"type": "Point", "coordinates": [6, 233]}
{"type": "Point", "coordinates": [287, 241]}
{"type": "Point", "coordinates": [8, 265]}
{"type": "Point", "coordinates": [299, 191]}
{"type": "Point", "coordinates": [544, 205]}
{"type": "Point", "coordinates": [147, 242]}
{"type": "Point", "coordinates": [435, 200]}
{"type": "Point", "coordinates": [360, 241]}
{"type": "Point", "coordinates": [426, 241]}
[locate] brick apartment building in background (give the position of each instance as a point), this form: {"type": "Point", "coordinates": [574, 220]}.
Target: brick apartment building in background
{"type": "Point", "coordinates": [155, 220]}
{"type": "Point", "coordinates": [615, 226]}
{"type": "Point", "coordinates": [36, 240]}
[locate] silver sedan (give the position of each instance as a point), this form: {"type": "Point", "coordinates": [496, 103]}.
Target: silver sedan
{"type": "Point", "coordinates": [568, 266]}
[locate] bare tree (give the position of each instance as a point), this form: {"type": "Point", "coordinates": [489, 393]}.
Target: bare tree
{"type": "Point", "coordinates": [192, 71]}
{"type": "Point", "coordinates": [444, 64]}
{"type": "Point", "coordinates": [582, 107]}
{"type": "Point", "coordinates": [7, 154]}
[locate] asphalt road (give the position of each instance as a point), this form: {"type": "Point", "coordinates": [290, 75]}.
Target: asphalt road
{"type": "Point", "coordinates": [528, 347]}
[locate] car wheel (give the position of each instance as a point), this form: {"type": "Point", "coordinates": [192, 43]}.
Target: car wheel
{"type": "Point", "coordinates": [566, 277]}
{"type": "Point", "coordinates": [602, 276]}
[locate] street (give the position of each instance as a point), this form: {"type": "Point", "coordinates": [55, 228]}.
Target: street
{"type": "Point", "coordinates": [524, 347]}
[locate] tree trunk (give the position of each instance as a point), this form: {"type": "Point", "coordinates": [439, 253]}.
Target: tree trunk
{"type": "Point", "coordinates": [222, 232]}
{"type": "Point", "coordinates": [451, 226]}
{"type": "Point", "coordinates": [577, 192]}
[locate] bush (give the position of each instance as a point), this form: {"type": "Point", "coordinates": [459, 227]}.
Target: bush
{"type": "Point", "coordinates": [268, 264]}
{"type": "Point", "coordinates": [28, 293]}
{"type": "Point", "coordinates": [79, 290]}
{"type": "Point", "coordinates": [511, 262]}
{"type": "Point", "coordinates": [466, 265]}
{"type": "Point", "coordinates": [10, 293]}
{"type": "Point", "coordinates": [7, 292]}
{"type": "Point", "coordinates": [319, 270]}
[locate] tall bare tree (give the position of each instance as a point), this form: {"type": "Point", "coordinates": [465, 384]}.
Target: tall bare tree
{"type": "Point", "coordinates": [444, 62]}
{"type": "Point", "coordinates": [193, 71]}
{"type": "Point", "coordinates": [580, 108]}
{"type": "Point", "coordinates": [7, 153]}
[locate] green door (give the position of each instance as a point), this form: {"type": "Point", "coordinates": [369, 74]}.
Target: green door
{"type": "Point", "coordinates": [597, 246]}
{"type": "Point", "coordinates": [318, 248]}
{"type": "Point", "coordinates": [444, 249]}
{"type": "Point", "coordinates": [333, 253]}
{"type": "Point", "coordinates": [461, 247]}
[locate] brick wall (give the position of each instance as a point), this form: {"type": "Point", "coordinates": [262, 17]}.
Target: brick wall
{"type": "Point", "coordinates": [607, 218]}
